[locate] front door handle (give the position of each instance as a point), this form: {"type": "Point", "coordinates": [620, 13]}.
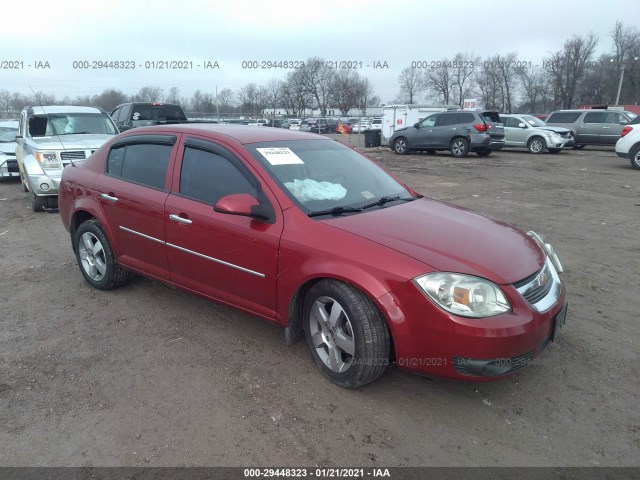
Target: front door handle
{"type": "Point", "coordinates": [108, 197]}
{"type": "Point", "coordinates": [179, 219]}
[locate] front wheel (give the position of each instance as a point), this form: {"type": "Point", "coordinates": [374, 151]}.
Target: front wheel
{"type": "Point", "coordinates": [36, 203]}
{"type": "Point", "coordinates": [400, 146]}
{"type": "Point", "coordinates": [536, 145]}
{"type": "Point", "coordinates": [459, 147]}
{"type": "Point", "coordinates": [95, 257]}
{"type": "Point", "coordinates": [634, 157]}
{"type": "Point", "coordinates": [348, 336]}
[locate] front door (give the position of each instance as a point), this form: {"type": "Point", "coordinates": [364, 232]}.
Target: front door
{"type": "Point", "coordinates": [230, 258]}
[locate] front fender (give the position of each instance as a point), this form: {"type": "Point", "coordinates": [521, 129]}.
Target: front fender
{"type": "Point", "coordinates": [32, 166]}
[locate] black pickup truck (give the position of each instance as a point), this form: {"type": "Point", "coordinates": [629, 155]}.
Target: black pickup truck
{"type": "Point", "coordinates": [141, 114]}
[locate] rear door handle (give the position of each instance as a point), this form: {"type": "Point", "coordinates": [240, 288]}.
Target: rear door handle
{"type": "Point", "coordinates": [108, 197]}
{"type": "Point", "coordinates": [179, 219]}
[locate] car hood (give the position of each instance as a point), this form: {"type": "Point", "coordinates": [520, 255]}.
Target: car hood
{"type": "Point", "coordinates": [449, 238]}
{"type": "Point", "coordinates": [552, 128]}
{"type": "Point", "coordinates": [9, 148]}
{"type": "Point", "coordinates": [73, 142]}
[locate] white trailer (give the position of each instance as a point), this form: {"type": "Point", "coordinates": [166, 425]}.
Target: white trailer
{"type": "Point", "coordinates": [395, 117]}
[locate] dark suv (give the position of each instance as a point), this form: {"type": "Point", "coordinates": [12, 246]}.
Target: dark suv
{"type": "Point", "coordinates": [460, 132]}
{"type": "Point", "coordinates": [141, 114]}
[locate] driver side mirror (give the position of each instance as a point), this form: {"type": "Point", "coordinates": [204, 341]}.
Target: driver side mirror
{"type": "Point", "coordinates": [522, 125]}
{"type": "Point", "coordinates": [244, 205]}
{"type": "Point", "coordinates": [416, 125]}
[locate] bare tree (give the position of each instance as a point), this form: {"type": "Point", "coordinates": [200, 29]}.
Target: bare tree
{"type": "Point", "coordinates": [109, 99]}
{"type": "Point", "coordinates": [411, 84]}
{"type": "Point", "coordinates": [317, 78]}
{"type": "Point", "coordinates": [439, 79]}
{"type": "Point", "coordinates": [273, 92]}
{"type": "Point", "coordinates": [225, 100]}
{"type": "Point", "coordinates": [174, 95]}
{"type": "Point", "coordinates": [248, 96]}
{"type": "Point", "coordinates": [567, 66]}
{"type": "Point", "coordinates": [532, 82]}
{"type": "Point", "coordinates": [148, 94]}
{"type": "Point", "coordinates": [196, 101]}
{"type": "Point", "coordinates": [295, 98]}
{"type": "Point", "coordinates": [365, 95]}
{"type": "Point", "coordinates": [345, 90]}
{"type": "Point", "coordinates": [464, 66]}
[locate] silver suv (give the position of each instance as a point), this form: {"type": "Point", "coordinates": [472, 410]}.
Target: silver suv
{"type": "Point", "coordinates": [459, 131]}
{"type": "Point", "coordinates": [592, 127]}
{"type": "Point", "coordinates": [52, 137]}
{"type": "Point", "coordinates": [527, 131]}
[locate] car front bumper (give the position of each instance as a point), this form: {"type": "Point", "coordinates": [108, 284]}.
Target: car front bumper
{"type": "Point", "coordinates": [429, 340]}
{"type": "Point", "coordinates": [45, 185]}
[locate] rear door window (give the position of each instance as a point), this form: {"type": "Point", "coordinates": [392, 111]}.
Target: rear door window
{"type": "Point", "coordinates": [615, 118]}
{"type": "Point", "coordinates": [594, 117]}
{"type": "Point", "coordinates": [563, 117]}
{"type": "Point", "coordinates": [447, 119]}
{"type": "Point", "coordinates": [141, 163]}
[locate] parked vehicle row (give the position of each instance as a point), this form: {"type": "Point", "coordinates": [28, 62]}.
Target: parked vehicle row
{"type": "Point", "coordinates": [8, 163]}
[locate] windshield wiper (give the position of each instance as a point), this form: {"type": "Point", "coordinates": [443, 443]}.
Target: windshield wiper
{"type": "Point", "coordinates": [335, 211]}
{"type": "Point", "coordinates": [386, 199]}
{"type": "Point", "coordinates": [74, 133]}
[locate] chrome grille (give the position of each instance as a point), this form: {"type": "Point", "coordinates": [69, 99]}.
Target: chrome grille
{"type": "Point", "coordinates": [542, 288]}
{"type": "Point", "coordinates": [73, 155]}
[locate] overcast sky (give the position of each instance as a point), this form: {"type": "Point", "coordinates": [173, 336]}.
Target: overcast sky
{"type": "Point", "coordinates": [229, 32]}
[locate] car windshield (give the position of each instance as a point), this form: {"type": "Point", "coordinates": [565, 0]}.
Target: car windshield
{"type": "Point", "coordinates": [326, 176]}
{"type": "Point", "coordinates": [71, 124]}
{"type": "Point", "coordinates": [533, 121]}
{"type": "Point", "coordinates": [8, 134]}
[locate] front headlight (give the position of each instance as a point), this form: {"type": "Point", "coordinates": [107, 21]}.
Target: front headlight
{"type": "Point", "coordinates": [547, 247]}
{"type": "Point", "coordinates": [48, 159]}
{"type": "Point", "coordinates": [464, 295]}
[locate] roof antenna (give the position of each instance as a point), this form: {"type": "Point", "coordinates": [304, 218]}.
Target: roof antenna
{"type": "Point", "coordinates": [55, 132]}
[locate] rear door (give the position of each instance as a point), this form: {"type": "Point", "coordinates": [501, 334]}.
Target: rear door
{"type": "Point", "coordinates": [132, 194]}
{"type": "Point", "coordinates": [590, 128]}
{"type": "Point", "coordinates": [230, 258]}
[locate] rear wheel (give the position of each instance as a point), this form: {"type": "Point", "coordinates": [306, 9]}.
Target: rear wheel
{"type": "Point", "coordinates": [634, 157]}
{"type": "Point", "coordinates": [400, 146]}
{"type": "Point", "coordinates": [459, 147]}
{"type": "Point", "coordinates": [348, 336]}
{"type": "Point", "coordinates": [483, 153]}
{"type": "Point", "coordinates": [95, 257]}
{"type": "Point", "coordinates": [536, 145]}
{"type": "Point", "coordinates": [555, 150]}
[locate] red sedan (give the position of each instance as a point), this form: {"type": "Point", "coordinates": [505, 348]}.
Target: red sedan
{"type": "Point", "coordinates": [306, 233]}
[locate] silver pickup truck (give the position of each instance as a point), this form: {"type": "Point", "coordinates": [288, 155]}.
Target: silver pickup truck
{"type": "Point", "coordinates": [52, 137]}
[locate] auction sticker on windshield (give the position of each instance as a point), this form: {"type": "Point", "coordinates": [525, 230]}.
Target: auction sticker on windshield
{"type": "Point", "coordinates": [280, 156]}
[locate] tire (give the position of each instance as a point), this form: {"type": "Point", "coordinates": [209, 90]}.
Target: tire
{"type": "Point", "coordinates": [95, 257]}
{"type": "Point", "coordinates": [36, 203]}
{"type": "Point", "coordinates": [578, 147]}
{"type": "Point", "coordinates": [536, 145]}
{"type": "Point", "coordinates": [459, 147]}
{"type": "Point", "coordinates": [634, 157]}
{"type": "Point", "coordinates": [484, 153]}
{"type": "Point", "coordinates": [400, 146]}
{"type": "Point", "coordinates": [554, 150]}
{"type": "Point", "coordinates": [431, 152]}
{"type": "Point", "coordinates": [348, 336]}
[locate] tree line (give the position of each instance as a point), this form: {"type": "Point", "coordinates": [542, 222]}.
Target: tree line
{"type": "Point", "coordinates": [570, 76]}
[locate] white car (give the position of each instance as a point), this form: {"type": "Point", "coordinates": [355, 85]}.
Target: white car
{"type": "Point", "coordinates": [8, 163]}
{"type": "Point", "coordinates": [294, 123]}
{"type": "Point", "coordinates": [362, 126]}
{"type": "Point", "coordinates": [629, 144]}
{"type": "Point", "coordinates": [376, 124]}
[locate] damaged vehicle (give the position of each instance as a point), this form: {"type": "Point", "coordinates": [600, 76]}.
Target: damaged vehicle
{"type": "Point", "coordinates": [527, 131]}
{"type": "Point", "coordinates": [8, 164]}
{"type": "Point", "coordinates": [51, 138]}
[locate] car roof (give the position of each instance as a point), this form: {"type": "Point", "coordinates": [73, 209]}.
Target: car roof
{"type": "Point", "coordinates": [62, 109]}
{"type": "Point", "coordinates": [241, 133]}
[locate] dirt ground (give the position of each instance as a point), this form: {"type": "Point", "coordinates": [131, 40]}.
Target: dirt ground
{"type": "Point", "coordinates": [152, 376]}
